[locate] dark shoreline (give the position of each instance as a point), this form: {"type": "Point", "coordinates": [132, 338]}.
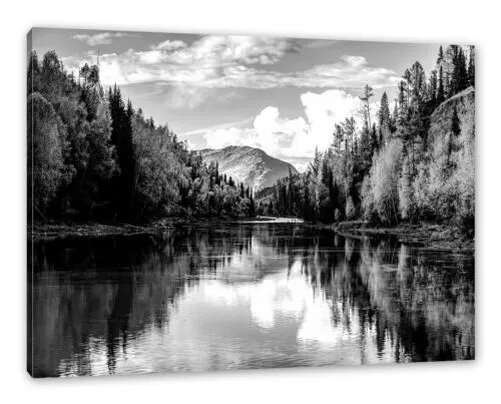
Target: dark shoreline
{"type": "Point", "coordinates": [432, 236]}
{"type": "Point", "coordinates": [427, 235]}
{"type": "Point", "coordinates": [60, 230]}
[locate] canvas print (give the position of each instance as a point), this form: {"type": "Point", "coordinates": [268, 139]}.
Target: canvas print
{"type": "Point", "coordinates": [217, 202]}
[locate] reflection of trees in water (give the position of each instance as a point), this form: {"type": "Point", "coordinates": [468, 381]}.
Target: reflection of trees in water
{"type": "Point", "coordinates": [421, 303]}
{"type": "Point", "coordinates": [418, 303]}
{"type": "Point", "coordinates": [91, 298]}
{"type": "Point", "coordinates": [110, 290]}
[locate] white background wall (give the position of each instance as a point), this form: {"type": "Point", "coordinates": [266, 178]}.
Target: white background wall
{"type": "Point", "coordinates": [447, 21]}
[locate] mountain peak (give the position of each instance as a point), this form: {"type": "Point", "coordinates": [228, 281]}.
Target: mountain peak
{"type": "Point", "coordinates": [250, 165]}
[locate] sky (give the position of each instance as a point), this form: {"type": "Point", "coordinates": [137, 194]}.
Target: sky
{"type": "Point", "coordinates": [283, 95]}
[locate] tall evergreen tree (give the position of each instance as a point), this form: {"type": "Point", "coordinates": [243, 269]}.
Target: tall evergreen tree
{"type": "Point", "coordinates": [471, 67]}
{"type": "Point", "coordinates": [417, 84]}
{"type": "Point", "coordinates": [432, 89]}
{"type": "Point", "coordinates": [367, 110]}
{"type": "Point", "coordinates": [440, 90]}
{"type": "Point", "coordinates": [394, 117]}
{"type": "Point", "coordinates": [384, 110]}
{"type": "Point", "coordinates": [402, 103]}
{"type": "Point", "coordinates": [459, 79]}
{"type": "Point", "coordinates": [121, 138]}
{"type": "Point", "coordinates": [374, 140]}
{"type": "Point", "coordinates": [440, 57]}
{"type": "Point", "coordinates": [384, 119]}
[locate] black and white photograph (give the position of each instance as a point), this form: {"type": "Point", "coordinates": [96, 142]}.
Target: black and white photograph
{"type": "Point", "coordinates": [209, 202]}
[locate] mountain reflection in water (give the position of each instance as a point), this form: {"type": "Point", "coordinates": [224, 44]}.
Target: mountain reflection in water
{"type": "Point", "coordinates": [245, 296]}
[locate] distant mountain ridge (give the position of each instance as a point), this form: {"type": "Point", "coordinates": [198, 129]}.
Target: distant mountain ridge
{"type": "Point", "coordinates": [249, 165]}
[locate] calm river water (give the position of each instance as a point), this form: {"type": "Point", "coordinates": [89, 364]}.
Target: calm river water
{"type": "Point", "coordinates": [237, 296]}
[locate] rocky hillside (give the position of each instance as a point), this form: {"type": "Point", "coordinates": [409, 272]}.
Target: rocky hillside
{"type": "Point", "coordinates": [452, 163]}
{"type": "Point", "coordinates": [249, 165]}
{"type": "Point", "coordinates": [440, 121]}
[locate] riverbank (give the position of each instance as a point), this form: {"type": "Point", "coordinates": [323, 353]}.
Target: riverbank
{"type": "Point", "coordinates": [48, 231]}
{"type": "Point", "coordinates": [433, 236]}
{"type": "Point", "coordinates": [53, 230]}
{"type": "Point", "coordinates": [427, 235]}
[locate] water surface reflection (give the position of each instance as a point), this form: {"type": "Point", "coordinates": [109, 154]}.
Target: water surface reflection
{"type": "Point", "coordinates": [245, 296]}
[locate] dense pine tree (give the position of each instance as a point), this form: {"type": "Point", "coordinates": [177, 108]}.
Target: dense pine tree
{"type": "Point", "coordinates": [385, 124]}
{"type": "Point", "coordinates": [471, 66]}
{"type": "Point", "coordinates": [440, 90]}
{"type": "Point", "coordinates": [121, 138]}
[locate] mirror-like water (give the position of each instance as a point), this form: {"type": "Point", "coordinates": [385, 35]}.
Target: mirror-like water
{"type": "Point", "coordinates": [245, 296]}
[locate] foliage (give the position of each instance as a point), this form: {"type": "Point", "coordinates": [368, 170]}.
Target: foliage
{"type": "Point", "coordinates": [91, 156]}
{"type": "Point", "coordinates": [45, 152]}
{"type": "Point", "coordinates": [384, 177]}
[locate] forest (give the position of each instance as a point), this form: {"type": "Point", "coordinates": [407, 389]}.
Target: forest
{"type": "Point", "coordinates": [412, 164]}
{"type": "Point", "coordinates": [92, 156]}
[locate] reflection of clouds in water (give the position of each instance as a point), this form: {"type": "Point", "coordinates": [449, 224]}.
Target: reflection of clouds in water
{"type": "Point", "coordinates": [277, 298]}
{"type": "Point", "coordinates": [262, 302]}
{"type": "Point", "coordinates": [241, 267]}
{"type": "Point", "coordinates": [317, 326]}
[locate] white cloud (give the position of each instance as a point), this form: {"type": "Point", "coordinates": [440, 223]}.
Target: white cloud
{"type": "Point", "coordinates": [170, 45]}
{"type": "Point", "coordinates": [219, 138]}
{"type": "Point", "coordinates": [99, 39]}
{"type": "Point", "coordinates": [269, 132]}
{"type": "Point", "coordinates": [274, 133]}
{"type": "Point", "coordinates": [323, 112]}
{"type": "Point", "coordinates": [240, 49]}
{"type": "Point", "coordinates": [293, 139]}
{"type": "Point", "coordinates": [152, 57]}
{"type": "Point", "coordinates": [350, 72]}
{"type": "Point", "coordinates": [229, 62]}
